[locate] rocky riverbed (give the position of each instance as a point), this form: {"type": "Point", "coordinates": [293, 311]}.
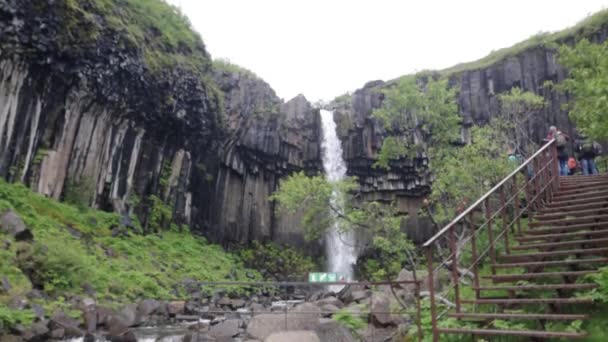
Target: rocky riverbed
{"type": "Point", "coordinates": [270, 314]}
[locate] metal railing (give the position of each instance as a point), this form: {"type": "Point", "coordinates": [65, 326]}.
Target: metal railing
{"type": "Point", "coordinates": [486, 227]}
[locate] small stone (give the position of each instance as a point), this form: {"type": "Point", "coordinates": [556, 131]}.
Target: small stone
{"type": "Point", "coordinates": [6, 285]}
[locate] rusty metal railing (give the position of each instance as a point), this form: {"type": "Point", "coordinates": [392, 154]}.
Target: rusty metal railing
{"type": "Point", "coordinates": [482, 228]}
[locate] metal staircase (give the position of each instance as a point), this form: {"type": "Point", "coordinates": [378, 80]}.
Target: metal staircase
{"type": "Point", "coordinates": [530, 242]}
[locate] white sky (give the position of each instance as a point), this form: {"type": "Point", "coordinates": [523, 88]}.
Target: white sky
{"type": "Point", "coordinates": [324, 48]}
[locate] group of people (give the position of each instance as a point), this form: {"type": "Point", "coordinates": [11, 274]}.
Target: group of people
{"type": "Point", "coordinates": [585, 151]}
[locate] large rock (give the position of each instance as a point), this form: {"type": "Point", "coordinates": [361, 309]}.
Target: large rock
{"type": "Point", "coordinates": [13, 225]}
{"type": "Point", "coordinates": [302, 317]}
{"type": "Point", "coordinates": [334, 332]}
{"type": "Point", "coordinates": [330, 300]}
{"type": "Point", "coordinates": [228, 328]}
{"type": "Point", "coordinates": [120, 322]}
{"type": "Point", "coordinates": [293, 336]}
{"type": "Point", "coordinates": [380, 309]}
{"type": "Point", "coordinates": [70, 326]}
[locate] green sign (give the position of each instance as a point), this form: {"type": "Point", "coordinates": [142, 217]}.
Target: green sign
{"type": "Point", "coordinates": [324, 277]}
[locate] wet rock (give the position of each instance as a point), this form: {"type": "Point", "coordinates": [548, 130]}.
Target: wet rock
{"type": "Point", "coordinates": [330, 300]}
{"type": "Point", "coordinates": [329, 310]}
{"type": "Point", "coordinates": [293, 336]}
{"type": "Point", "coordinates": [147, 307]}
{"type": "Point", "coordinates": [228, 328]}
{"type": "Point", "coordinates": [6, 285]}
{"type": "Point", "coordinates": [119, 323]}
{"type": "Point", "coordinates": [126, 337]}
{"type": "Point", "coordinates": [70, 326]}
{"type": "Point", "coordinates": [186, 318]}
{"type": "Point", "coordinates": [198, 337]}
{"type": "Point", "coordinates": [13, 225]}
{"type": "Point", "coordinates": [176, 307]}
{"type": "Point", "coordinates": [58, 333]}
{"type": "Point", "coordinates": [334, 332]}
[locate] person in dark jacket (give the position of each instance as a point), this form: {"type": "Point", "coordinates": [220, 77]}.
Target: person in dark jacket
{"type": "Point", "coordinates": [587, 150]}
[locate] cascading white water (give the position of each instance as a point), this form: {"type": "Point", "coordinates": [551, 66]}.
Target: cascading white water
{"type": "Point", "coordinates": [341, 253]}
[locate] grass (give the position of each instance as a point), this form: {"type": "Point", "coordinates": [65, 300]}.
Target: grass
{"type": "Point", "coordinates": [584, 28]}
{"type": "Point", "coordinates": [159, 31]}
{"type": "Point", "coordinates": [74, 247]}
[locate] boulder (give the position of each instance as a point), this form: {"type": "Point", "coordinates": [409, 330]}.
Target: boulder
{"type": "Point", "coordinates": [237, 303]}
{"type": "Point", "coordinates": [293, 336]}
{"type": "Point", "coordinates": [329, 309]}
{"type": "Point", "coordinates": [228, 328]}
{"type": "Point", "coordinates": [12, 224]}
{"type": "Point", "coordinates": [330, 300]}
{"type": "Point", "coordinates": [359, 296]}
{"type": "Point", "coordinates": [69, 325]}
{"type": "Point", "coordinates": [38, 331]}
{"type": "Point", "coordinates": [145, 308]}
{"type": "Point", "coordinates": [128, 336]}
{"type": "Point", "coordinates": [333, 331]}
{"type": "Point", "coordinates": [6, 285]}
{"type": "Point", "coordinates": [176, 307]}
{"type": "Point", "coordinates": [38, 311]}
{"type": "Point", "coordinates": [380, 309]}
{"type": "Point", "coordinates": [302, 317]}
{"type": "Point", "coordinates": [119, 323]}
{"type": "Point", "coordinates": [198, 337]}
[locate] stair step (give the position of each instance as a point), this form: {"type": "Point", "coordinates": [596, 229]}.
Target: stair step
{"type": "Point", "coordinates": [507, 301]}
{"type": "Point", "coordinates": [553, 263]}
{"type": "Point", "coordinates": [576, 201]}
{"type": "Point", "coordinates": [581, 189]}
{"type": "Point", "coordinates": [569, 221]}
{"type": "Point", "coordinates": [561, 236]}
{"type": "Point", "coordinates": [500, 278]}
{"type": "Point", "coordinates": [574, 213]}
{"type": "Point", "coordinates": [520, 333]}
{"type": "Point", "coordinates": [542, 287]}
{"type": "Point", "coordinates": [568, 208]}
{"type": "Point", "coordinates": [564, 196]}
{"type": "Point", "coordinates": [550, 245]}
{"type": "Point", "coordinates": [541, 255]}
{"type": "Point", "coordinates": [559, 229]}
{"type": "Point", "coordinates": [583, 185]}
{"type": "Point", "coordinates": [504, 316]}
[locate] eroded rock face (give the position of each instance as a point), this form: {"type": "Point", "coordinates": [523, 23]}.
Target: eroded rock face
{"type": "Point", "coordinates": [267, 140]}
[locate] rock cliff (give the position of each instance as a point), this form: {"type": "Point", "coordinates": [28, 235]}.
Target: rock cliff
{"type": "Point", "coordinates": [137, 125]}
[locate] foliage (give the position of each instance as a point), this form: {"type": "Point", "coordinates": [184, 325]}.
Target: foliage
{"type": "Point", "coordinates": [80, 193]}
{"type": "Point", "coordinates": [75, 246]}
{"type": "Point", "coordinates": [584, 28]}
{"type": "Point", "coordinates": [312, 196]}
{"type": "Point", "coordinates": [518, 107]}
{"type": "Point", "coordinates": [10, 317]}
{"type": "Point", "coordinates": [224, 65]}
{"type": "Point", "coordinates": [158, 29]}
{"type": "Point", "coordinates": [409, 108]}
{"type": "Point", "coordinates": [587, 84]}
{"type": "Point", "coordinates": [353, 322]}
{"type": "Point", "coordinates": [463, 174]}
{"type": "Point", "coordinates": [161, 214]}
{"type": "Point", "coordinates": [277, 262]}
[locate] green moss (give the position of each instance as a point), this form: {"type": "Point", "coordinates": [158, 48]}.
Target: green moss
{"type": "Point", "coordinates": [162, 34]}
{"type": "Point", "coordinates": [226, 66]}
{"type": "Point", "coordinates": [120, 269]}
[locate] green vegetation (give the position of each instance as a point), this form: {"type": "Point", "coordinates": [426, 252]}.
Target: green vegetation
{"type": "Point", "coordinates": [353, 322]}
{"type": "Point", "coordinates": [584, 28]}
{"type": "Point", "coordinates": [518, 107]}
{"type": "Point", "coordinates": [225, 65]}
{"type": "Point", "coordinates": [76, 248]}
{"type": "Point", "coordinates": [159, 30]}
{"type": "Point", "coordinates": [277, 262]}
{"type": "Point", "coordinates": [312, 196]}
{"type": "Point", "coordinates": [587, 84]}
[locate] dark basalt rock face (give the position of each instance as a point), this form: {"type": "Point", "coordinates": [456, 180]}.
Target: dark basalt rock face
{"type": "Point", "coordinates": [96, 114]}
{"type": "Point", "coordinates": [268, 139]}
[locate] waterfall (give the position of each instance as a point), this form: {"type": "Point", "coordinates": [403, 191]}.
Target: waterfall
{"type": "Point", "coordinates": [341, 253]}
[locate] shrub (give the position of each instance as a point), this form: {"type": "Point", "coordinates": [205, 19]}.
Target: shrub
{"type": "Point", "coordinates": [277, 262]}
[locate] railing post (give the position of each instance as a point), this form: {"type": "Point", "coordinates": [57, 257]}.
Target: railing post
{"type": "Point", "coordinates": [429, 260]}
{"type": "Point", "coordinates": [505, 224]}
{"type": "Point", "coordinates": [555, 165]}
{"type": "Point", "coordinates": [490, 235]}
{"type": "Point", "coordinates": [418, 311]}
{"type": "Point", "coordinates": [474, 255]}
{"type": "Point", "coordinates": [527, 185]}
{"type": "Point", "coordinates": [455, 276]}
{"type": "Point", "coordinates": [516, 203]}
{"type": "Point", "coordinates": [537, 176]}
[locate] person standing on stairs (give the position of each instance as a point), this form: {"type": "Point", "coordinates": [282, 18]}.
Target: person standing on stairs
{"type": "Point", "coordinates": [587, 150]}
{"type": "Point", "coordinates": [561, 140]}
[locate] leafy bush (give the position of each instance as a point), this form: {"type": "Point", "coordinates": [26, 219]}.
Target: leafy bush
{"type": "Point", "coordinates": [10, 317]}
{"type": "Point", "coordinates": [352, 322]}
{"type": "Point", "coordinates": [278, 262]}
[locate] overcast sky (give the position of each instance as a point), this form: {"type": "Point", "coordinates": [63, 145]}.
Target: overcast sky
{"type": "Point", "coordinates": [324, 48]}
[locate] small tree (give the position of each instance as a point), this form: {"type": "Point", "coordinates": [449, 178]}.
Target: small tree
{"type": "Point", "coordinates": [587, 85]}
{"type": "Point", "coordinates": [518, 107]}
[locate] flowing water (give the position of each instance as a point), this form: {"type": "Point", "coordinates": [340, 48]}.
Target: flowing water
{"type": "Point", "coordinates": [341, 253]}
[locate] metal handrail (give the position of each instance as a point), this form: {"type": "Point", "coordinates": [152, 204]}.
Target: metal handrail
{"type": "Point", "coordinates": [487, 195]}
